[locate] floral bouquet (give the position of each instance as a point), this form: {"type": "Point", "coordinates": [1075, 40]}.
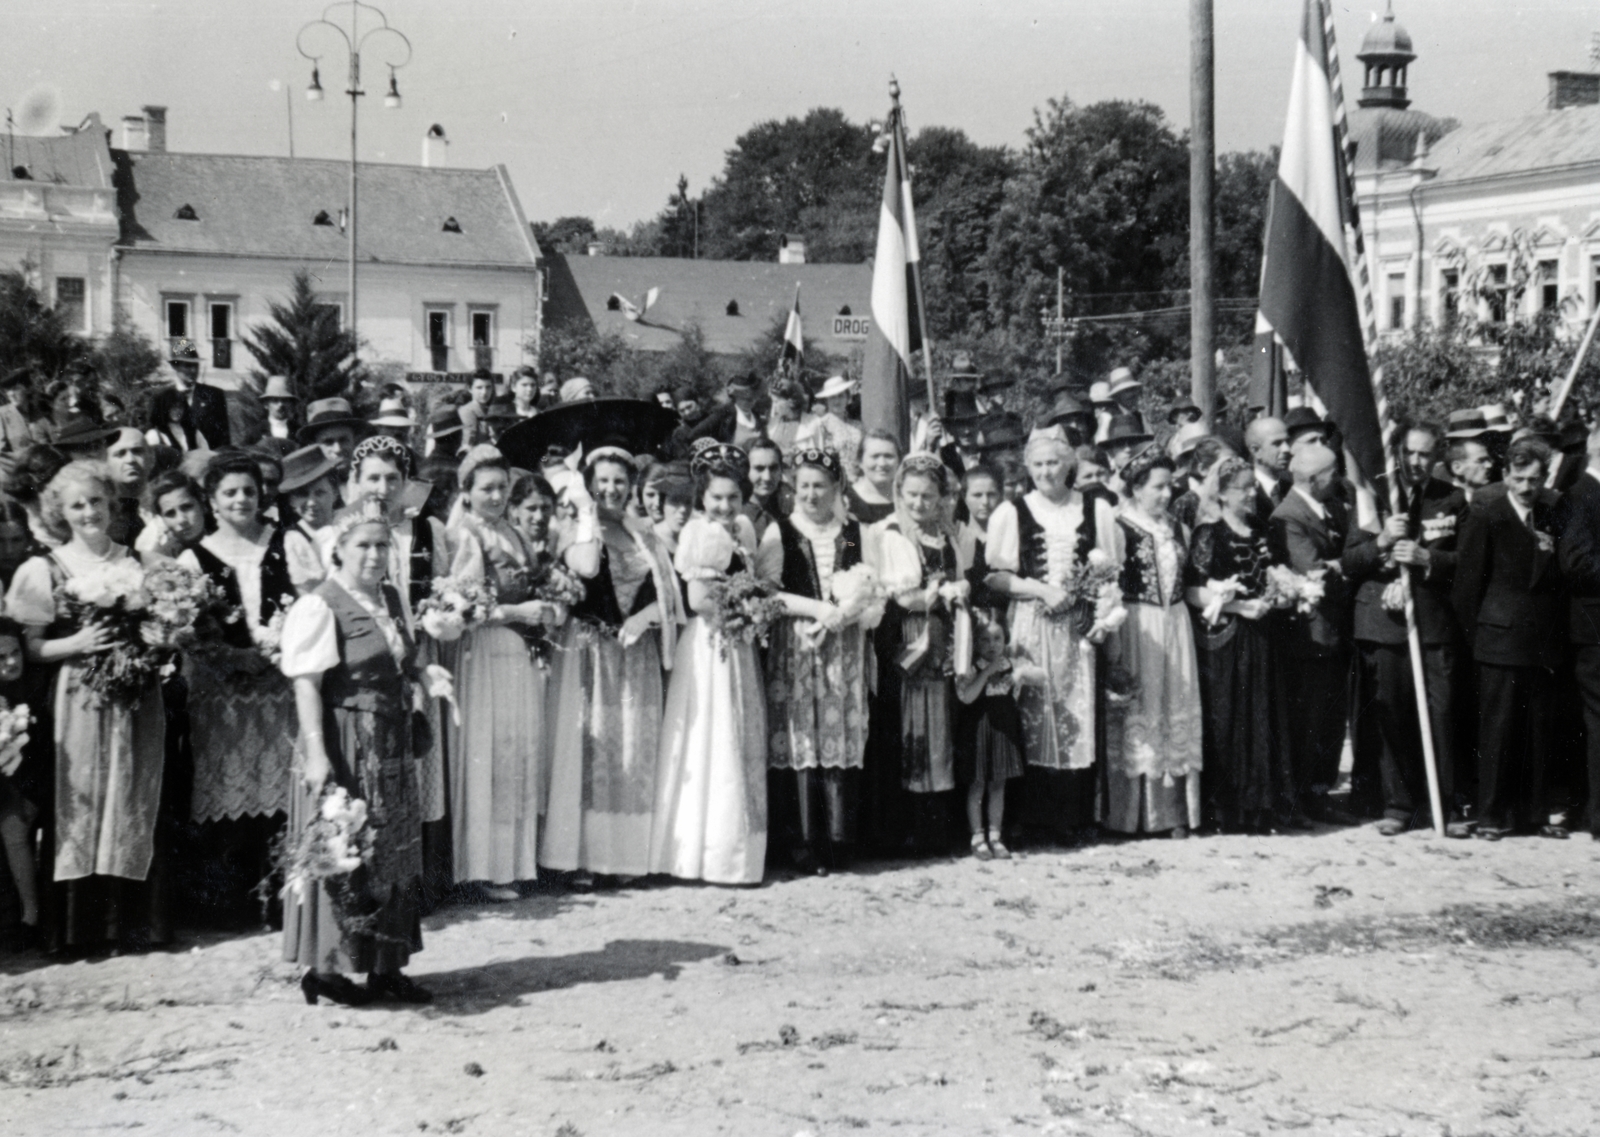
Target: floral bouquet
{"type": "Point", "coordinates": [149, 613]}
{"type": "Point", "coordinates": [455, 607]}
{"type": "Point", "coordinates": [740, 607]}
{"type": "Point", "coordinates": [552, 583]}
{"type": "Point", "coordinates": [14, 723]}
{"type": "Point", "coordinates": [1223, 592]}
{"type": "Point", "coordinates": [860, 593]}
{"type": "Point", "coordinates": [331, 850]}
{"type": "Point", "coordinates": [1289, 589]}
{"type": "Point", "coordinates": [268, 637]}
{"type": "Point", "coordinates": [1096, 595]}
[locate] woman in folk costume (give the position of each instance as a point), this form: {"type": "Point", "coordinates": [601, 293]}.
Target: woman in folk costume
{"type": "Point", "coordinates": [350, 657]}
{"type": "Point", "coordinates": [1153, 740]}
{"type": "Point", "coordinates": [241, 711]}
{"type": "Point", "coordinates": [100, 835]}
{"type": "Point", "coordinates": [919, 563]}
{"type": "Point", "coordinates": [711, 799]}
{"type": "Point", "coordinates": [608, 679]}
{"type": "Point", "coordinates": [818, 667]}
{"type": "Point", "coordinates": [380, 470]}
{"type": "Point", "coordinates": [500, 744]}
{"type": "Point", "coordinates": [1036, 544]}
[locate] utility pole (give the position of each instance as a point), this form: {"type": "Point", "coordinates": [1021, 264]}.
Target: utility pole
{"type": "Point", "coordinates": [1202, 218]}
{"type": "Point", "coordinates": [1061, 311]}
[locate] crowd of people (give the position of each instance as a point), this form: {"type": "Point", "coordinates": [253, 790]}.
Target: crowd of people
{"type": "Point", "coordinates": [1112, 635]}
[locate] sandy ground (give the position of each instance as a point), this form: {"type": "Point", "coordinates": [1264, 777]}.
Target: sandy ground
{"type": "Point", "coordinates": [1331, 983]}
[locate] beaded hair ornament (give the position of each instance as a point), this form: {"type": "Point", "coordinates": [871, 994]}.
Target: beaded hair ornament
{"type": "Point", "coordinates": [369, 511]}
{"type": "Point", "coordinates": [383, 446]}
{"type": "Point", "coordinates": [822, 458]}
{"type": "Point", "coordinates": [722, 459]}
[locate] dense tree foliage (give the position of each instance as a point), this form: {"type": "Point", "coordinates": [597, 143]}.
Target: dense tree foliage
{"type": "Point", "coordinates": [304, 343]}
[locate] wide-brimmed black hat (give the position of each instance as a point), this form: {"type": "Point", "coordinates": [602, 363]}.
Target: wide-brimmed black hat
{"type": "Point", "coordinates": [305, 466]}
{"type": "Point", "coordinates": [329, 412]}
{"type": "Point", "coordinates": [1181, 406]}
{"type": "Point", "coordinates": [79, 431]}
{"type": "Point", "coordinates": [635, 425]}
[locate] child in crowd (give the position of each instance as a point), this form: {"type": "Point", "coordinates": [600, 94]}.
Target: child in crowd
{"type": "Point", "coordinates": [24, 766]}
{"type": "Point", "coordinates": [988, 741]}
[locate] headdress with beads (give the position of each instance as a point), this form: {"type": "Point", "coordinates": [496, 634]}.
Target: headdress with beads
{"type": "Point", "coordinates": [822, 457]}
{"type": "Point", "coordinates": [382, 446]}
{"type": "Point", "coordinates": [722, 459]}
{"type": "Point", "coordinates": [926, 465]}
{"type": "Point", "coordinates": [368, 511]}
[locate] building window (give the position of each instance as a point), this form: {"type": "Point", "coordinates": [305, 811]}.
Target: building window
{"type": "Point", "coordinates": [222, 335]}
{"type": "Point", "coordinates": [438, 337]}
{"type": "Point", "coordinates": [483, 339]}
{"type": "Point", "coordinates": [1594, 296]}
{"type": "Point", "coordinates": [1495, 292]}
{"type": "Point", "coordinates": [177, 321]}
{"type": "Point", "coordinates": [331, 310]}
{"type": "Point", "coordinates": [1397, 301]}
{"type": "Point", "coordinates": [1450, 293]}
{"type": "Point", "coordinates": [70, 302]}
{"type": "Point", "coordinates": [1549, 287]}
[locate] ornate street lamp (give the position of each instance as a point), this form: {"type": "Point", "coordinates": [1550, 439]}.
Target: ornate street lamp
{"type": "Point", "coordinates": [365, 23]}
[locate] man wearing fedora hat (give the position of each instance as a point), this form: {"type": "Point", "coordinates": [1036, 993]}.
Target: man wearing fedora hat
{"type": "Point", "coordinates": [1183, 411]}
{"type": "Point", "coordinates": [83, 436]}
{"type": "Point", "coordinates": [332, 425]}
{"type": "Point", "coordinates": [279, 402]}
{"type": "Point", "coordinates": [208, 405]}
{"type": "Point", "coordinates": [1124, 390]}
{"type": "Point", "coordinates": [1124, 438]}
{"type": "Point", "coordinates": [1306, 428]}
{"type": "Point", "coordinates": [444, 432]}
{"type": "Point", "coordinates": [394, 419]}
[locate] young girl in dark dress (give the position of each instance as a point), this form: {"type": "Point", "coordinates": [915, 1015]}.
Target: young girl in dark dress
{"type": "Point", "coordinates": [988, 735]}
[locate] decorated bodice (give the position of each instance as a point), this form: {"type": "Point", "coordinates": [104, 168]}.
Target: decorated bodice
{"type": "Point", "coordinates": [1153, 561]}
{"type": "Point", "coordinates": [1217, 552]}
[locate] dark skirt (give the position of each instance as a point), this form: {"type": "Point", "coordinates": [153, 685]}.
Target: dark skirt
{"type": "Point", "coordinates": [371, 756]}
{"type": "Point", "coordinates": [988, 740]}
{"type": "Point", "coordinates": [814, 813]}
{"type": "Point", "coordinates": [1248, 781]}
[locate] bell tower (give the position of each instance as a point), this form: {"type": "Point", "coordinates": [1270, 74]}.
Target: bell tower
{"type": "Point", "coordinates": [1387, 56]}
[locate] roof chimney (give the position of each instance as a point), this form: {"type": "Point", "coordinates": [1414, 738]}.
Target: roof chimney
{"type": "Point", "coordinates": [1574, 89]}
{"type": "Point", "coordinates": [791, 251]}
{"type": "Point", "coordinates": [135, 134]}
{"type": "Point", "coordinates": [156, 117]}
{"type": "Point", "coordinates": [435, 147]}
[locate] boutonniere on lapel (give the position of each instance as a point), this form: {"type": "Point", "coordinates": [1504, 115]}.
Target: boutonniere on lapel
{"type": "Point", "coordinates": [1547, 543]}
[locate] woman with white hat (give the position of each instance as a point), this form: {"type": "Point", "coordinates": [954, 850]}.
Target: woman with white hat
{"type": "Point", "coordinates": [835, 430]}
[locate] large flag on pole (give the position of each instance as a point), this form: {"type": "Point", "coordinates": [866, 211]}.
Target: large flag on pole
{"type": "Point", "coordinates": [794, 342]}
{"type": "Point", "coordinates": [1312, 266]}
{"type": "Point", "coordinates": [897, 333]}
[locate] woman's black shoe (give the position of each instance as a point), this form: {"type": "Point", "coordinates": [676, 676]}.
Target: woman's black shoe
{"type": "Point", "coordinates": [397, 988]}
{"type": "Point", "coordinates": [336, 987]}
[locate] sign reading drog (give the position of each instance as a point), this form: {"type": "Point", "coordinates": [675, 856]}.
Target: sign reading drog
{"type": "Point", "coordinates": [851, 327]}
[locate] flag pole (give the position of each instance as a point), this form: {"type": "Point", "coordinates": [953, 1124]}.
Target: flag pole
{"type": "Point", "coordinates": [1369, 329]}
{"type": "Point", "coordinates": [897, 115]}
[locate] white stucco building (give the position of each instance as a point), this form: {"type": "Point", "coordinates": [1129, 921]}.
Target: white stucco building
{"type": "Point", "coordinates": [1467, 217]}
{"type": "Point", "coordinates": [196, 246]}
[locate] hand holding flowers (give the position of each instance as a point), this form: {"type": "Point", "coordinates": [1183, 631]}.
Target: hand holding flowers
{"type": "Point", "coordinates": [1300, 591]}
{"type": "Point", "coordinates": [455, 607]}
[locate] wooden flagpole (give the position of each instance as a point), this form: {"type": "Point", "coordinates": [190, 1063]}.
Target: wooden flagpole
{"type": "Point", "coordinates": [1369, 329]}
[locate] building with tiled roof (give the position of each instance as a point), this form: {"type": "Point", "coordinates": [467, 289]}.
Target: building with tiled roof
{"type": "Point", "coordinates": [1493, 219]}
{"type": "Point", "coordinates": [734, 303]}
{"type": "Point", "coordinates": [196, 246]}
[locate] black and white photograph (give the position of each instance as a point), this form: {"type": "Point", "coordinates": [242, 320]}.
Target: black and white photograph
{"type": "Point", "coordinates": [681, 567]}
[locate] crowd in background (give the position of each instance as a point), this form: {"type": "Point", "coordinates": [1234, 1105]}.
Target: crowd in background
{"type": "Point", "coordinates": [932, 655]}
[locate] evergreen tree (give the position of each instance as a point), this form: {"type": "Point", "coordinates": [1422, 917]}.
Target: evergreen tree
{"type": "Point", "coordinates": [304, 343]}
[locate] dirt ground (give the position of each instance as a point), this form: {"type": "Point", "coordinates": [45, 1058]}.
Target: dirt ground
{"type": "Point", "coordinates": [1333, 983]}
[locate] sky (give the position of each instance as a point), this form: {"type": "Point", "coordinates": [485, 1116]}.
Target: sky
{"type": "Point", "coordinates": [597, 106]}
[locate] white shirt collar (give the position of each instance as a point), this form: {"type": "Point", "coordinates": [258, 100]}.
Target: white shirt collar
{"type": "Point", "coordinates": [1265, 480]}
{"type": "Point", "coordinates": [1316, 506]}
{"type": "Point", "coordinates": [1521, 510]}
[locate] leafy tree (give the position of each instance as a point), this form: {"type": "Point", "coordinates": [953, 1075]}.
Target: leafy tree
{"type": "Point", "coordinates": [1242, 182]}
{"type": "Point", "coordinates": [564, 234]}
{"type": "Point", "coordinates": [32, 335]}
{"type": "Point", "coordinates": [958, 189]}
{"type": "Point", "coordinates": [127, 364]}
{"type": "Point", "coordinates": [304, 343]}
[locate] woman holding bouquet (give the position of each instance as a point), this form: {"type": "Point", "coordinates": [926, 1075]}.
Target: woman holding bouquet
{"type": "Point", "coordinates": [1153, 751]}
{"type": "Point", "coordinates": [241, 711]}
{"type": "Point", "coordinates": [1037, 545]}
{"type": "Point", "coordinates": [500, 744]}
{"type": "Point", "coordinates": [99, 841]}
{"type": "Point", "coordinates": [347, 651]}
{"type": "Point", "coordinates": [607, 681]}
{"type": "Point", "coordinates": [817, 666]}
{"type": "Point", "coordinates": [1248, 783]}
{"type": "Point", "coordinates": [920, 564]}
{"type": "Point", "coordinates": [711, 797]}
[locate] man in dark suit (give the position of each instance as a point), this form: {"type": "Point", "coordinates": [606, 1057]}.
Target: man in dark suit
{"type": "Point", "coordinates": [1267, 439]}
{"type": "Point", "coordinates": [1578, 552]}
{"type": "Point", "coordinates": [1308, 533]}
{"type": "Point", "coordinates": [15, 434]}
{"type": "Point", "coordinates": [1508, 596]}
{"type": "Point", "coordinates": [208, 405]}
{"type": "Point", "coordinates": [1420, 539]}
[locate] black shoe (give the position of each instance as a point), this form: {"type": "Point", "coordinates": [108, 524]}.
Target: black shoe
{"type": "Point", "coordinates": [397, 988]}
{"type": "Point", "coordinates": [337, 988]}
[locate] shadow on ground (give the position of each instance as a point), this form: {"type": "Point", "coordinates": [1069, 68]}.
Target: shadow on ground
{"type": "Point", "coordinates": [473, 990]}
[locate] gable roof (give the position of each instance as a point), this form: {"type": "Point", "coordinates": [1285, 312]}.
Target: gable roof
{"type": "Point", "coordinates": [1550, 140]}
{"type": "Point", "coordinates": [698, 291]}
{"type": "Point", "coordinates": [82, 158]}
{"type": "Point", "coordinates": [265, 206]}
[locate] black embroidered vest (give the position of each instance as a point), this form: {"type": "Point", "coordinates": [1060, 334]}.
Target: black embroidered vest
{"type": "Point", "coordinates": [367, 677]}
{"type": "Point", "coordinates": [599, 604]}
{"type": "Point", "coordinates": [800, 568]}
{"type": "Point", "coordinates": [277, 590]}
{"type": "Point", "coordinates": [1032, 550]}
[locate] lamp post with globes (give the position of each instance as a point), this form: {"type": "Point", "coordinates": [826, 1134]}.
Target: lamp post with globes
{"type": "Point", "coordinates": [397, 51]}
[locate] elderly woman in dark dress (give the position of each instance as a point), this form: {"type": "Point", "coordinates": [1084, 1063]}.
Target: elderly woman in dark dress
{"type": "Point", "coordinates": [346, 647]}
{"type": "Point", "coordinates": [1247, 779]}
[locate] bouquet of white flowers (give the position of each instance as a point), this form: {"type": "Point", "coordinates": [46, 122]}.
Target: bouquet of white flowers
{"type": "Point", "coordinates": [1096, 592]}
{"type": "Point", "coordinates": [331, 850]}
{"type": "Point", "coordinates": [860, 593]}
{"type": "Point", "coordinates": [14, 723]}
{"type": "Point", "coordinates": [455, 607]}
{"type": "Point", "coordinates": [1300, 591]}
